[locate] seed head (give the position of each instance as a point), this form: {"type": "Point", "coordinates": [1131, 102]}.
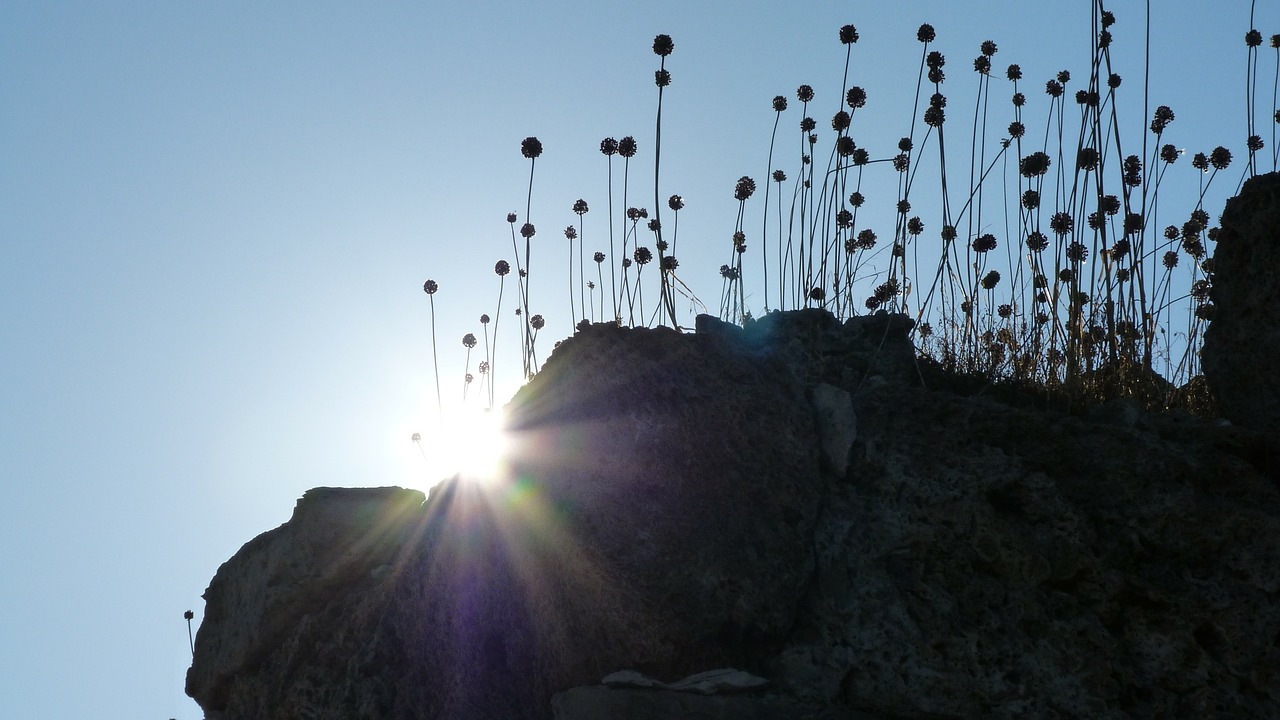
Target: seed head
{"type": "Point", "coordinates": [744, 188]}
{"type": "Point", "coordinates": [861, 156]}
{"type": "Point", "coordinates": [935, 59]}
{"type": "Point", "coordinates": [1061, 223]}
{"type": "Point", "coordinates": [1113, 81]}
{"type": "Point", "coordinates": [990, 280]}
{"type": "Point", "coordinates": [662, 45]}
{"type": "Point", "coordinates": [430, 287]}
{"type": "Point", "coordinates": [661, 78]}
{"type": "Point", "coordinates": [1054, 88]}
{"type": "Point", "coordinates": [856, 199]}
{"type": "Point", "coordinates": [779, 102]}
{"type": "Point", "coordinates": [598, 257]}
{"type": "Point", "coordinates": [779, 176]}
{"type": "Point", "coordinates": [1200, 162]}
{"type": "Point", "coordinates": [1169, 154]}
{"type": "Point", "coordinates": [1108, 18]}
{"type": "Point", "coordinates": [537, 322]}
{"type": "Point", "coordinates": [840, 122]}
{"type": "Point", "coordinates": [675, 202]}
{"type": "Point", "coordinates": [580, 206]}
{"type": "Point", "coordinates": [856, 97]}
{"type": "Point", "coordinates": [848, 34]}
{"type": "Point", "coordinates": [468, 341]}
{"type": "Point", "coordinates": [627, 147]}
{"type": "Point", "coordinates": [866, 239]}
{"type": "Point", "coordinates": [1077, 252]}
{"type": "Point", "coordinates": [1031, 199]}
{"type": "Point", "coordinates": [502, 268]}
{"type": "Point", "coordinates": [527, 230]}
{"type": "Point", "coordinates": [511, 217]}
{"type": "Point", "coordinates": [1161, 119]}
{"type": "Point", "coordinates": [608, 146]}
{"type": "Point", "coordinates": [817, 293]}
{"type": "Point", "coordinates": [1254, 143]}
{"type": "Point", "coordinates": [808, 124]}
{"type": "Point", "coordinates": [804, 93]}
{"type": "Point", "coordinates": [1014, 72]}
{"type": "Point", "coordinates": [904, 207]}
{"type": "Point", "coordinates": [571, 232]}
{"type": "Point", "coordinates": [845, 146]}
{"type": "Point", "coordinates": [915, 226]}
{"type": "Point", "coordinates": [643, 255]}
{"type": "Point", "coordinates": [1036, 241]}
{"type": "Point", "coordinates": [531, 147]}
{"type": "Point", "coordinates": [844, 218]}
{"type": "Point", "coordinates": [948, 233]}
{"type": "Point", "coordinates": [1220, 158]}
{"type": "Point", "coordinates": [1034, 165]}
{"type": "Point", "coordinates": [669, 263]}
{"type": "Point", "coordinates": [926, 33]}
{"type": "Point", "coordinates": [1019, 99]}
{"type": "Point", "coordinates": [982, 65]}
{"type": "Point", "coordinates": [1253, 38]}
{"type": "Point", "coordinates": [984, 243]}
{"type": "Point", "coordinates": [934, 117]}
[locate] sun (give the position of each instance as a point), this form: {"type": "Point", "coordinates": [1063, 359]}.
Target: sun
{"type": "Point", "coordinates": [467, 442]}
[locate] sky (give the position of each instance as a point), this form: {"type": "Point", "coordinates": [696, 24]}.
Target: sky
{"type": "Point", "coordinates": [216, 220]}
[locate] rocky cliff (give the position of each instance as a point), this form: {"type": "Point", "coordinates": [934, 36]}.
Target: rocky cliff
{"type": "Point", "coordinates": [795, 500]}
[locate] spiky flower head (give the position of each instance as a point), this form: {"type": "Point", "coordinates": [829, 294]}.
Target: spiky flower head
{"type": "Point", "coordinates": [1077, 252]}
{"type": "Point", "coordinates": [1061, 223]}
{"type": "Point", "coordinates": [982, 65]}
{"type": "Point", "coordinates": [608, 146]}
{"type": "Point", "coordinates": [856, 97]}
{"type": "Point", "coordinates": [845, 146]}
{"type": "Point", "coordinates": [669, 263]}
{"type": "Point", "coordinates": [1016, 129]}
{"type": "Point", "coordinates": [468, 341]}
{"type": "Point", "coordinates": [904, 207]}
{"type": "Point", "coordinates": [984, 243]}
{"type": "Point", "coordinates": [580, 206]}
{"type": "Point", "coordinates": [844, 218]}
{"type": "Point", "coordinates": [627, 147]}
{"type": "Point", "coordinates": [1169, 153]}
{"type": "Point", "coordinates": [744, 188]}
{"type": "Point", "coordinates": [1200, 161]}
{"type": "Point", "coordinates": [1053, 88]}
{"type": "Point", "coordinates": [654, 225]}
{"type": "Point", "coordinates": [1132, 171]}
{"type": "Point", "coordinates": [675, 202]}
{"type": "Point", "coordinates": [779, 102]}
{"type": "Point", "coordinates": [861, 156]}
{"type": "Point", "coordinates": [990, 280]}
{"type": "Point", "coordinates": [531, 147]}
{"type": "Point", "coordinates": [840, 121]}
{"type": "Point", "coordinates": [484, 319]}
{"type": "Point", "coordinates": [1113, 81]}
{"type": "Point", "coordinates": [527, 231]}
{"type": "Point", "coordinates": [598, 257]}
{"type": "Point", "coordinates": [1253, 38]}
{"type": "Point", "coordinates": [817, 293]}
{"type": "Point", "coordinates": [662, 78]}
{"type": "Point", "coordinates": [1170, 259]}
{"type": "Point", "coordinates": [779, 176]}
{"type": "Point", "coordinates": [1034, 165]}
{"type": "Point", "coordinates": [1108, 18]}
{"type": "Point", "coordinates": [430, 287]}
{"type": "Point", "coordinates": [856, 199]}
{"type": "Point", "coordinates": [926, 33]}
{"type": "Point", "coordinates": [1161, 119]}
{"type": "Point", "coordinates": [948, 233]}
{"type": "Point", "coordinates": [484, 367]}
{"type": "Point", "coordinates": [537, 322]}
{"type": "Point", "coordinates": [1220, 158]}
{"type": "Point", "coordinates": [1031, 199]}
{"type": "Point", "coordinates": [643, 255]}
{"type": "Point", "coordinates": [935, 59]}
{"type": "Point", "coordinates": [808, 124]}
{"type": "Point", "coordinates": [662, 45]}
{"type": "Point", "coordinates": [511, 217]}
{"type": "Point", "coordinates": [848, 34]}
{"type": "Point", "coordinates": [915, 226]}
{"type": "Point", "coordinates": [1254, 143]}
{"type": "Point", "coordinates": [1014, 72]}
{"type": "Point", "coordinates": [866, 239]}
{"type": "Point", "coordinates": [934, 117]}
{"type": "Point", "coordinates": [1019, 99]}
{"type": "Point", "coordinates": [804, 93]}
{"type": "Point", "coordinates": [502, 268]}
{"type": "Point", "coordinates": [571, 232]}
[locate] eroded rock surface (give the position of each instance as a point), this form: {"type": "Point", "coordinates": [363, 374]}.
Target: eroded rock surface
{"type": "Point", "coordinates": [1242, 343]}
{"type": "Point", "coordinates": [676, 505]}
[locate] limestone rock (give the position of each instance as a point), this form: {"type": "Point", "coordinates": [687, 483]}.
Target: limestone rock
{"type": "Point", "coordinates": [668, 511]}
{"type": "Point", "coordinates": [837, 426]}
{"type": "Point", "coordinates": [1242, 343]}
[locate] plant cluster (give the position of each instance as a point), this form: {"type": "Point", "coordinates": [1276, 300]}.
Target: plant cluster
{"type": "Point", "coordinates": [1058, 259]}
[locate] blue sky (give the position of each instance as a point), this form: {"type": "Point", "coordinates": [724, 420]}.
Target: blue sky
{"type": "Point", "coordinates": [216, 219]}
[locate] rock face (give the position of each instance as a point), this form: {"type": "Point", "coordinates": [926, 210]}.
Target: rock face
{"type": "Point", "coordinates": [785, 499]}
{"type": "Point", "coordinates": [1242, 344]}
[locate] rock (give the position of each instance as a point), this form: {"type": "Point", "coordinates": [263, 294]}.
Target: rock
{"type": "Point", "coordinates": [1242, 343]}
{"type": "Point", "coordinates": [837, 426]}
{"type": "Point", "coordinates": [597, 703]}
{"type": "Point", "coordinates": [668, 511]}
{"type": "Point", "coordinates": [721, 681]}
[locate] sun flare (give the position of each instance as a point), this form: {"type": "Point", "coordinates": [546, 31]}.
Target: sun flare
{"type": "Point", "coordinates": [467, 442]}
